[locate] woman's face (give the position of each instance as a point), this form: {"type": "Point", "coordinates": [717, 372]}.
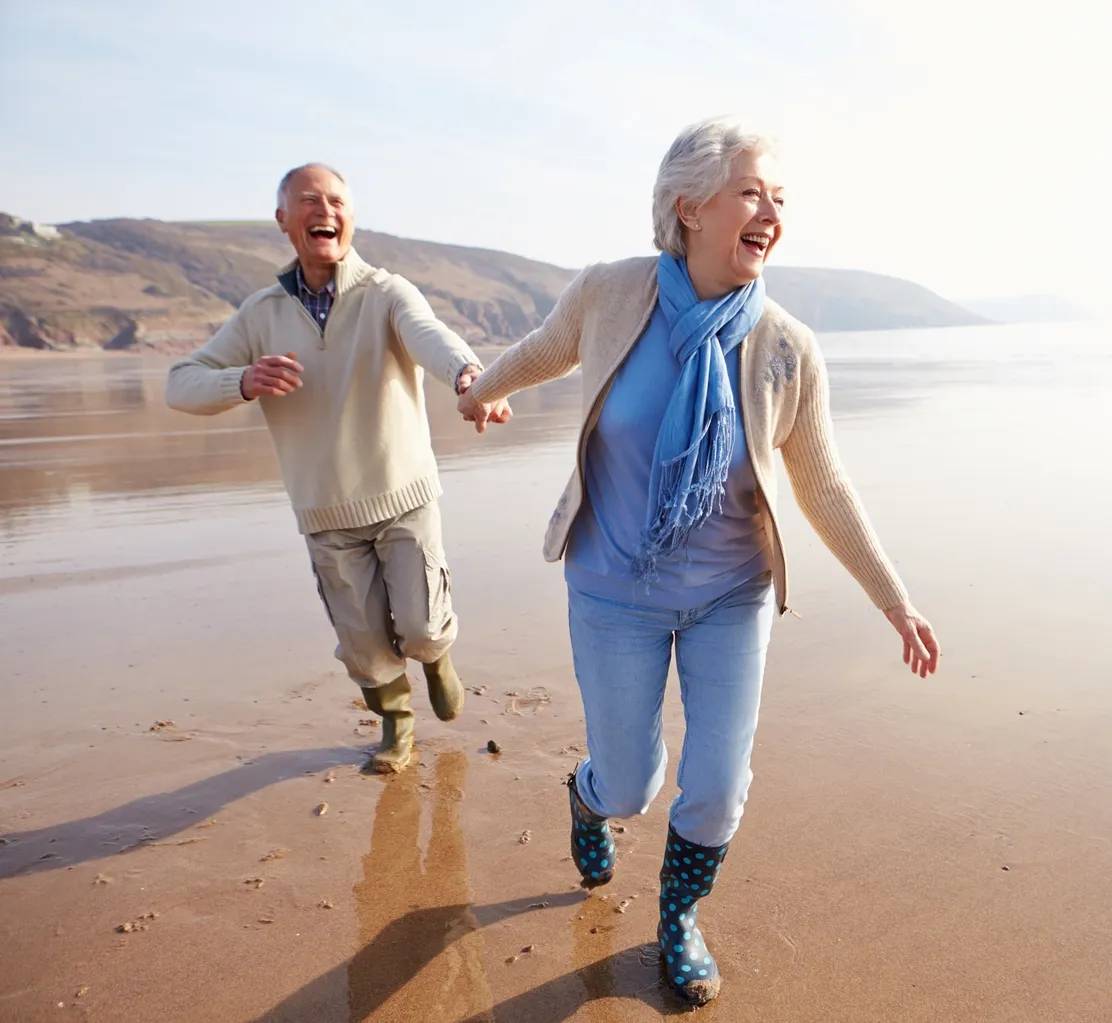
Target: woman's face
{"type": "Point", "coordinates": [730, 236]}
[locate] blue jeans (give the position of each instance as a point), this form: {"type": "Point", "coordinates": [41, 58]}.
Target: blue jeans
{"type": "Point", "coordinates": [622, 653]}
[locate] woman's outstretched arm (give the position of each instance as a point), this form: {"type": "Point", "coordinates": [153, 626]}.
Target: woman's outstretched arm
{"type": "Point", "coordinates": [831, 505]}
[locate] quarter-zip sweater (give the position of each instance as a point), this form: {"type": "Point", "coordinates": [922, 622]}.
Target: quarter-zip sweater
{"type": "Point", "coordinates": [784, 397]}
{"type": "Point", "coordinates": [353, 441]}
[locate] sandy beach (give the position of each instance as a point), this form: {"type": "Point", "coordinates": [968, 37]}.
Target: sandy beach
{"type": "Point", "coordinates": [185, 834]}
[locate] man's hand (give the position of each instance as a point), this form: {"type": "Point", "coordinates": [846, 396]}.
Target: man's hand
{"type": "Point", "coordinates": [467, 376]}
{"type": "Point", "coordinates": [480, 413]}
{"type": "Point", "coordinates": [273, 375]}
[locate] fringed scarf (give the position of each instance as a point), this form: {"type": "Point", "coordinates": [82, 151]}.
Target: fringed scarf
{"type": "Point", "coordinates": [696, 439]}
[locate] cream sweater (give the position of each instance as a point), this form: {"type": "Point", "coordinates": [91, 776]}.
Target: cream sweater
{"type": "Point", "coordinates": [353, 442]}
{"type": "Point", "coordinates": [784, 404]}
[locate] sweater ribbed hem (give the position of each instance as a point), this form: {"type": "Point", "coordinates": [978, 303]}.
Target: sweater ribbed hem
{"type": "Point", "coordinates": [229, 383]}
{"type": "Point", "coordinates": [369, 510]}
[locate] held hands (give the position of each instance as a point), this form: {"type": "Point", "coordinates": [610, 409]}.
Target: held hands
{"type": "Point", "coordinates": [272, 375]}
{"type": "Point", "coordinates": [921, 650]}
{"type": "Point", "coordinates": [475, 411]}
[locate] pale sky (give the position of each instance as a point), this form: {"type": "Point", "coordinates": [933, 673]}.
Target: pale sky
{"type": "Point", "coordinates": [962, 145]}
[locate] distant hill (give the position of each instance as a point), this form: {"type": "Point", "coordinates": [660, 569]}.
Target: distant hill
{"type": "Point", "coordinates": [856, 300]}
{"type": "Point", "coordinates": [132, 284]}
{"type": "Point", "coordinates": [1030, 309]}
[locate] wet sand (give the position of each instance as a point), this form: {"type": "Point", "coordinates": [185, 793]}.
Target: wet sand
{"type": "Point", "coordinates": [911, 851]}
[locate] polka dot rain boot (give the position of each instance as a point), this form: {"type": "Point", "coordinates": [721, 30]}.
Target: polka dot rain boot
{"type": "Point", "coordinates": [688, 873]}
{"type": "Point", "coordinates": [592, 844]}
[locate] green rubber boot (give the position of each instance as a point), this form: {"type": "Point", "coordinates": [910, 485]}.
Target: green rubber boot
{"type": "Point", "coordinates": [391, 703]}
{"type": "Point", "coordinates": [445, 688]}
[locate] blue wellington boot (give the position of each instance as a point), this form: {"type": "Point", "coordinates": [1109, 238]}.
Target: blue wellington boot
{"type": "Point", "coordinates": [592, 844]}
{"type": "Point", "coordinates": [688, 873]}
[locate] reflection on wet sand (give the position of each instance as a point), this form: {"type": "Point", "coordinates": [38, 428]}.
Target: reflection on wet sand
{"type": "Point", "coordinates": [71, 427]}
{"type": "Point", "coordinates": [419, 955]}
{"type": "Point", "coordinates": [422, 954]}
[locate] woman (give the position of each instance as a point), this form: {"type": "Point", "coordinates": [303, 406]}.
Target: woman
{"type": "Point", "coordinates": [691, 378]}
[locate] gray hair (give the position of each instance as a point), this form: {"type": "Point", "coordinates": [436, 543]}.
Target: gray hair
{"type": "Point", "coordinates": [284, 184]}
{"type": "Point", "coordinates": [695, 168]}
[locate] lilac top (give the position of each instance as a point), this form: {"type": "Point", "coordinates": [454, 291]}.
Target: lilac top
{"type": "Point", "coordinates": [729, 549]}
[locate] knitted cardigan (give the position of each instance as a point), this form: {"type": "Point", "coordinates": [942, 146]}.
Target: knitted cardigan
{"type": "Point", "coordinates": [784, 403]}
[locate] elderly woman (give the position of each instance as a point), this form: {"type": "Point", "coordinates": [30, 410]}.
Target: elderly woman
{"type": "Point", "coordinates": [692, 378]}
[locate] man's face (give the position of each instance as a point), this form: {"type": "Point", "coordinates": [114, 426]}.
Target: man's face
{"type": "Point", "coordinates": [318, 217]}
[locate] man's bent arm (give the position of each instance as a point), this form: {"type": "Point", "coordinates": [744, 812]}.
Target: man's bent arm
{"type": "Point", "coordinates": [432, 344]}
{"type": "Point", "coordinates": [208, 381]}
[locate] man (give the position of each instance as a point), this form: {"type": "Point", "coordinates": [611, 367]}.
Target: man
{"type": "Point", "coordinates": [345, 409]}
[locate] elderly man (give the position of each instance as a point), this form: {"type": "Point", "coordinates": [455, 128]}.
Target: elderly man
{"type": "Point", "coordinates": [334, 354]}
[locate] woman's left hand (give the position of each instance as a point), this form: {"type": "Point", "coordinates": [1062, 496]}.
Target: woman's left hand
{"type": "Point", "coordinates": [921, 650]}
{"type": "Point", "coordinates": [480, 413]}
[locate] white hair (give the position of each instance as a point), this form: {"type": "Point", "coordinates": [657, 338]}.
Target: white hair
{"type": "Point", "coordinates": [284, 184]}
{"type": "Point", "coordinates": [695, 168]}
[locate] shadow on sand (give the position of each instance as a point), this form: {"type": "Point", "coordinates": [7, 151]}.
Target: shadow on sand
{"type": "Point", "coordinates": [153, 818]}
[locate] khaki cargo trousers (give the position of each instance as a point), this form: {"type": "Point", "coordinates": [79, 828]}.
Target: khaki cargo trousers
{"type": "Point", "coordinates": [388, 593]}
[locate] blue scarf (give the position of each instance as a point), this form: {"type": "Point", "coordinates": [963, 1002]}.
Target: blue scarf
{"type": "Point", "coordinates": [696, 439]}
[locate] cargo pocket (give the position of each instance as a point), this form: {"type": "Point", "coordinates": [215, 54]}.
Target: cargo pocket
{"type": "Point", "coordinates": [438, 581]}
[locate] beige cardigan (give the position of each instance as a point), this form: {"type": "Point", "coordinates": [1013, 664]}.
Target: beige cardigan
{"type": "Point", "coordinates": [784, 404]}
{"type": "Point", "coordinates": [353, 442]}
